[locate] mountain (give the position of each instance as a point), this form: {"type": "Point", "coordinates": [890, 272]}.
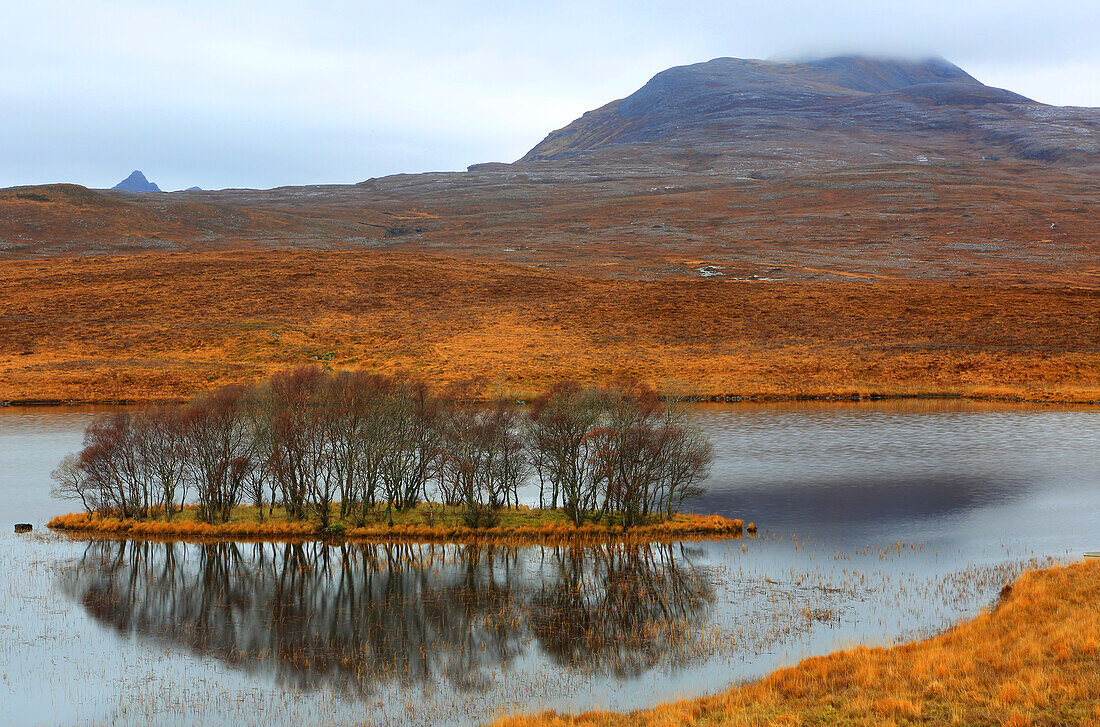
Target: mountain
{"type": "Point", "coordinates": [193, 189]}
{"type": "Point", "coordinates": [136, 182]}
{"type": "Point", "coordinates": [719, 114]}
{"type": "Point", "coordinates": [732, 169]}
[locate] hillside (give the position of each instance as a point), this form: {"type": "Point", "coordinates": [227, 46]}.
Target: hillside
{"type": "Point", "coordinates": [169, 325]}
{"type": "Point", "coordinates": [850, 226]}
{"type": "Point", "coordinates": [823, 170]}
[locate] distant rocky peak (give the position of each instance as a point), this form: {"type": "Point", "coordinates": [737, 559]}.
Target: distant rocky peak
{"type": "Point", "coordinates": [136, 182]}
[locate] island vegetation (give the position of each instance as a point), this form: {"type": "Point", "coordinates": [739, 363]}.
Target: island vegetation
{"type": "Point", "coordinates": [311, 452]}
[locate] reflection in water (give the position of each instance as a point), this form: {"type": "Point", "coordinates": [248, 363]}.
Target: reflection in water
{"type": "Point", "coordinates": [627, 608]}
{"type": "Point", "coordinates": [882, 502]}
{"type": "Point", "coordinates": [355, 616]}
{"type": "Point", "coordinates": [852, 474]}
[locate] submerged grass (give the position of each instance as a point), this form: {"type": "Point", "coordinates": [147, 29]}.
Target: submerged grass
{"type": "Point", "coordinates": [1032, 660]}
{"type": "Point", "coordinates": [426, 522]}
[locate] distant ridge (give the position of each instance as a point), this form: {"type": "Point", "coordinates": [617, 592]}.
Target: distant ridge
{"type": "Point", "coordinates": [136, 182]}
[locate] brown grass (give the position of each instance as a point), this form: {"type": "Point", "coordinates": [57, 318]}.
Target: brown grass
{"type": "Point", "coordinates": [1033, 660]}
{"type": "Point", "coordinates": [165, 326]}
{"type": "Point", "coordinates": [424, 523]}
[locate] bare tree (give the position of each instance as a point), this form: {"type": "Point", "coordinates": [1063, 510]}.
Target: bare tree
{"type": "Point", "coordinates": [629, 454]}
{"type": "Point", "coordinates": [72, 483]}
{"type": "Point", "coordinates": [298, 438]}
{"type": "Point", "coordinates": [323, 444]}
{"type": "Point", "coordinates": [256, 414]}
{"type": "Point", "coordinates": [483, 459]}
{"type": "Point", "coordinates": [509, 464]}
{"type": "Point", "coordinates": [218, 447]}
{"type": "Point", "coordinates": [162, 445]}
{"type": "Point", "coordinates": [687, 456]}
{"type": "Point", "coordinates": [375, 396]}
{"type": "Point", "coordinates": [354, 422]}
{"type": "Point", "coordinates": [110, 461]}
{"type": "Point", "coordinates": [412, 445]}
{"type": "Point", "coordinates": [562, 426]}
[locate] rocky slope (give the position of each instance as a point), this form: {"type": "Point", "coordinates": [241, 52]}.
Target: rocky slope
{"type": "Point", "coordinates": [718, 114]}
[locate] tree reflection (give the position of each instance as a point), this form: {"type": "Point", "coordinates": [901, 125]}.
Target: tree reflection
{"type": "Point", "coordinates": [625, 607]}
{"type": "Point", "coordinates": [357, 616]}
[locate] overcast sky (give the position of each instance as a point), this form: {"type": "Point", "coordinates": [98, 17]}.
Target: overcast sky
{"type": "Point", "coordinates": [219, 93]}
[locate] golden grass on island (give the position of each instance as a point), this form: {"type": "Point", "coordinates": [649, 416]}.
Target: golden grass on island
{"type": "Point", "coordinates": [425, 522]}
{"type": "Point", "coordinates": [1032, 660]}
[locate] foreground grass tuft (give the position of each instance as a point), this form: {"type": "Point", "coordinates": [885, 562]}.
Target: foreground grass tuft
{"type": "Point", "coordinates": [1033, 660]}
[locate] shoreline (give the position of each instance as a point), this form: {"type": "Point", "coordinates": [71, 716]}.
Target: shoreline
{"type": "Point", "coordinates": [680, 527]}
{"type": "Point", "coordinates": [692, 398]}
{"type": "Point", "coordinates": [1029, 659]}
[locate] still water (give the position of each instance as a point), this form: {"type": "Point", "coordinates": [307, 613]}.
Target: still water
{"type": "Point", "coordinates": [878, 522]}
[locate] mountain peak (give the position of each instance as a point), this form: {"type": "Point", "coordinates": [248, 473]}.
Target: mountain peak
{"type": "Point", "coordinates": [136, 182]}
{"type": "Point", "coordinates": [878, 74]}
{"type": "Point", "coordinates": [722, 83]}
{"type": "Point", "coordinates": [726, 97]}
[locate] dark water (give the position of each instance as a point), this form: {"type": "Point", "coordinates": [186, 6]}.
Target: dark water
{"type": "Point", "coordinates": [970, 475]}
{"type": "Point", "coordinates": [878, 522]}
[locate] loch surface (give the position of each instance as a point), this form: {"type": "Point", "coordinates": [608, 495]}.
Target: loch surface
{"type": "Point", "coordinates": [878, 521]}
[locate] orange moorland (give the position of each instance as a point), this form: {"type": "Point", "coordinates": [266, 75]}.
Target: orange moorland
{"type": "Point", "coordinates": [1032, 660]}
{"type": "Point", "coordinates": [168, 325]}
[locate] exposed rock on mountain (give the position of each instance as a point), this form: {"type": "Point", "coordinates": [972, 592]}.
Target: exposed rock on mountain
{"type": "Point", "coordinates": [136, 182]}
{"type": "Point", "coordinates": [718, 114]}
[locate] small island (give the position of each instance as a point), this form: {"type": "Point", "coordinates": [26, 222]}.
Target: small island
{"type": "Point", "coordinates": [310, 453]}
{"type": "Point", "coordinates": [427, 522]}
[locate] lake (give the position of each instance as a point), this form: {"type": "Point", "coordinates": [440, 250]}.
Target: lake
{"type": "Point", "coordinates": [879, 521]}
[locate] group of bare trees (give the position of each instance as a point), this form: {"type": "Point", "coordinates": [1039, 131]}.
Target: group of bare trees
{"type": "Point", "coordinates": [618, 451]}
{"type": "Point", "coordinates": [352, 444]}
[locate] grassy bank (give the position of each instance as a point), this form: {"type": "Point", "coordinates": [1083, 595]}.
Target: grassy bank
{"type": "Point", "coordinates": [426, 522]}
{"type": "Point", "coordinates": [1032, 660]}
